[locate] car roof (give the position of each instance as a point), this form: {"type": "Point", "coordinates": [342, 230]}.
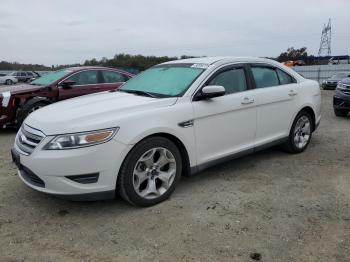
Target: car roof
{"type": "Point", "coordinates": [219, 60]}
{"type": "Point", "coordinates": [80, 68]}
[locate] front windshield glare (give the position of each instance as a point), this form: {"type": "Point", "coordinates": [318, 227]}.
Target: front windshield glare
{"type": "Point", "coordinates": [49, 78]}
{"type": "Point", "coordinates": [167, 80]}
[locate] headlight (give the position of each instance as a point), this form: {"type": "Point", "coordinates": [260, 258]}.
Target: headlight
{"type": "Point", "coordinates": [78, 140]}
{"type": "Point", "coordinates": [340, 85]}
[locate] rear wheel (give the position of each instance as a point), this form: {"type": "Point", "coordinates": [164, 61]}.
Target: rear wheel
{"type": "Point", "coordinates": [9, 82]}
{"type": "Point", "coordinates": [341, 112]}
{"type": "Point", "coordinates": [300, 133]}
{"type": "Point", "coordinates": [150, 172]}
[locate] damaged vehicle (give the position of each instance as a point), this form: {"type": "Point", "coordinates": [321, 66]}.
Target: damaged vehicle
{"type": "Point", "coordinates": [17, 102]}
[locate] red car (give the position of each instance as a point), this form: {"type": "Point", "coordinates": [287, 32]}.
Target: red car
{"type": "Point", "coordinates": [17, 102]}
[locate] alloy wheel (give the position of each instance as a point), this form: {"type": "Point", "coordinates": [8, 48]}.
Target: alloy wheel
{"type": "Point", "coordinates": [154, 173]}
{"type": "Point", "coordinates": [302, 132]}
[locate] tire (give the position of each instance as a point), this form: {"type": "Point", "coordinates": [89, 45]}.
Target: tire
{"type": "Point", "coordinates": [27, 110]}
{"type": "Point", "coordinates": [300, 133]}
{"type": "Point", "coordinates": [8, 82]}
{"type": "Point", "coordinates": [141, 181]}
{"type": "Point", "coordinates": [341, 112]}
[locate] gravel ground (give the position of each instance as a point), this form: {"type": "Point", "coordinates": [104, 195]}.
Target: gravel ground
{"type": "Point", "coordinates": [281, 207]}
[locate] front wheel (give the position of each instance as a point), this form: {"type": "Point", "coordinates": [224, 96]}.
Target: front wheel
{"type": "Point", "coordinates": [27, 110]}
{"type": "Point", "coordinates": [9, 82]}
{"type": "Point", "coordinates": [341, 112]}
{"type": "Point", "coordinates": [150, 172]}
{"type": "Point", "coordinates": [300, 133]}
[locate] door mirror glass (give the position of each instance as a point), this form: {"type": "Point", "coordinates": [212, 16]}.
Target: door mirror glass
{"type": "Point", "coordinates": [211, 92]}
{"type": "Point", "coordinates": [67, 84]}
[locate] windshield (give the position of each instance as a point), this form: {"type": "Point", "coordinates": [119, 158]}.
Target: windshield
{"type": "Point", "coordinates": [51, 77]}
{"type": "Point", "coordinates": [339, 76]}
{"type": "Point", "coordinates": [164, 80]}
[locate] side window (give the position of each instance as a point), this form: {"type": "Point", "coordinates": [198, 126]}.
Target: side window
{"type": "Point", "coordinates": [113, 77]}
{"type": "Point", "coordinates": [264, 76]}
{"type": "Point", "coordinates": [233, 80]}
{"type": "Point", "coordinates": [23, 74]}
{"type": "Point", "coordinates": [85, 78]}
{"type": "Point", "coordinates": [284, 78]}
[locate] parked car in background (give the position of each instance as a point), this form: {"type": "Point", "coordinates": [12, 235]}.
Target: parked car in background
{"type": "Point", "coordinates": [17, 102]}
{"type": "Point", "coordinates": [7, 79]}
{"type": "Point", "coordinates": [25, 76]}
{"type": "Point", "coordinates": [341, 99]}
{"type": "Point", "coordinates": [332, 82]}
{"type": "Point", "coordinates": [178, 117]}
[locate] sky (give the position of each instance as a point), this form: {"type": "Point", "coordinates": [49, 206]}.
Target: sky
{"type": "Point", "coordinates": [55, 32]}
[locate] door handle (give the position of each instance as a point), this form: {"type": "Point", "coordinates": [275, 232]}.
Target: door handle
{"type": "Point", "coordinates": [247, 101]}
{"type": "Point", "coordinates": [292, 93]}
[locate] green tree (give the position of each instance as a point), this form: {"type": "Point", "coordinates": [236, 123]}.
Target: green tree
{"type": "Point", "coordinates": [293, 54]}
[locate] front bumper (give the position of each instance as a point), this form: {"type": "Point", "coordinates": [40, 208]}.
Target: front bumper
{"type": "Point", "coordinates": [341, 100]}
{"type": "Point", "coordinates": [47, 171]}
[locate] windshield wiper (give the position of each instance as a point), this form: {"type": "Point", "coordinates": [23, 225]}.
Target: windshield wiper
{"type": "Point", "coordinates": [138, 92]}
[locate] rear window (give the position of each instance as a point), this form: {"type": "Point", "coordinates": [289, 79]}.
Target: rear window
{"type": "Point", "coordinates": [265, 77]}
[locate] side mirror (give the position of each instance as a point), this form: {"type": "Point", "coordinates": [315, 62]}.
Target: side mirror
{"type": "Point", "coordinates": [208, 92]}
{"type": "Point", "coordinates": [67, 84]}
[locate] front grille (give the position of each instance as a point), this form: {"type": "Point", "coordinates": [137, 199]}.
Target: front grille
{"type": "Point", "coordinates": [30, 177]}
{"type": "Point", "coordinates": [28, 139]}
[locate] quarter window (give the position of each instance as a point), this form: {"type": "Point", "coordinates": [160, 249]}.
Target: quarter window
{"type": "Point", "coordinates": [85, 78]}
{"type": "Point", "coordinates": [265, 77]}
{"type": "Point", "coordinates": [113, 77]}
{"type": "Point", "coordinates": [233, 80]}
{"type": "Point", "coordinates": [284, 78]}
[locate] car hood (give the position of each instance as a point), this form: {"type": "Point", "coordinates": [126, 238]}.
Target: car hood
{"type": "Point", "coordinates": [346, 81]}
{"type": "Point", "coordinates": [92, 112]}
{"type": "Point", "coordinates": [17, 89]}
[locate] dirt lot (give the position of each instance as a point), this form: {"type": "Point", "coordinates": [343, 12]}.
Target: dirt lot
{"type": "Point", "coordinates": [283, 207]}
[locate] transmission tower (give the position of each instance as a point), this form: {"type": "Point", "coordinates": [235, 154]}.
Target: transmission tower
{"type": "Point", "coordinates": [325, 45]}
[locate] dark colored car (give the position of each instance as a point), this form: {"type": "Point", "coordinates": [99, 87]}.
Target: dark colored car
{"type": "Point", "coordinates": [341, 99]}
{"type": "Point", "coordinates": [332, 82]}
{"type": "Point", "coordinates": [17, 102]}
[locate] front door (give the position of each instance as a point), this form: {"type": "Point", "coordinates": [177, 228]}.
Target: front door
{"type": "Point", "coordinates": [225, 125]}
{"type": "Point", "coordinates": [86, 82]}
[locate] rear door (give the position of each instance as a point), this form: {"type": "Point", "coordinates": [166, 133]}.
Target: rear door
{"type": "Point", "coordinates": [112, 79]}
{"type": "Point", "coordinates": [276, 92]}
{"type": "Point", "coordinates": [86, 82]}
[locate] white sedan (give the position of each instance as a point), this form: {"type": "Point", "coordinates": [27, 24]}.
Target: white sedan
{"type": "Point", "coordinates": [175, 118]}
{"type": "Point", "coordinates": [7, 79]}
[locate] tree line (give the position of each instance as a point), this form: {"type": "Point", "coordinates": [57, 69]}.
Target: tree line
{"type": "Point", "coordinates": [136, 63]}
